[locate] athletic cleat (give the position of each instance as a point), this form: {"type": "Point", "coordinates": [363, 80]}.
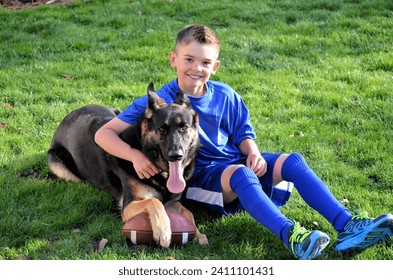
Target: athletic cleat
{"type": "Point", "coordinates": [362, 232]}
{"type": "Point", "coordinates": [307, 245]}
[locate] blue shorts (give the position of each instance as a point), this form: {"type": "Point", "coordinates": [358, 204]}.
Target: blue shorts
{"type": "Point", "coordinates": [205, 186]}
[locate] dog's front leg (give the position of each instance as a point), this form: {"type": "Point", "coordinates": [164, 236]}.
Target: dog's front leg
{"type": "Point", "coordinates": [179, 208]}
{"type": "Point", "coordinates": [159, 219]}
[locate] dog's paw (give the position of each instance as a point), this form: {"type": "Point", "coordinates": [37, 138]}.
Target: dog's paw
{"type": "Point", "coordinates": [201, 239]}
{"type": "Point", "coordinates": [165, 241]}
{"type": "Point", "coordinates": [162, 233]}
{"type": "Point", "coordinates": [163, 238]}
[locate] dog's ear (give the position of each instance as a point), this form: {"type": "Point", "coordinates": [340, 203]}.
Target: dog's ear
{"type": "Point", "coordinates": [150, 87]}
{"type": "Point", "coordinates": [154, 101]}
{"type": "Point", "coordinates": [182, 99]}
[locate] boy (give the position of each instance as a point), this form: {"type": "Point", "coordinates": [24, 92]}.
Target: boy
{"type": "Point", "coordinates": [231, 174]}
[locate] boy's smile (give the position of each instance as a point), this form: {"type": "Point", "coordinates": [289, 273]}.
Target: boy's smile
{"type": "Point", "coordinates": [194, 63]}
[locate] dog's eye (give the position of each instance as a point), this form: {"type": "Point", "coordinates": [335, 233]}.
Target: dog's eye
{"type": "Point", "coordinates": [183, 127]}
{"type": "Point", "coordinates": [162, 129]}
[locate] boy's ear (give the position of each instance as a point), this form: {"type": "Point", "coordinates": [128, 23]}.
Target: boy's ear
{"type": "Point", "coordinates": [172, 59]}
{"type": "Point", "coordinates": [216, 66]}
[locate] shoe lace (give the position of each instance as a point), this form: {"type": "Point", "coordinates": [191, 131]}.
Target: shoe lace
{"type": "Point", "coordinates": [298, 235]}
{"type": "Point", "coordinates": [360, 215]}
{"type": "Point", "coordinates": [358, 222]}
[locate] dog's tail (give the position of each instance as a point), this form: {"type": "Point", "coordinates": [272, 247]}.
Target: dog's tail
{"type": "Point", "coordinates": [56, 159]}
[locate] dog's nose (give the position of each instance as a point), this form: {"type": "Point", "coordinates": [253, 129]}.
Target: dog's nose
{"type": "Point", "coordinates": [175, 154]}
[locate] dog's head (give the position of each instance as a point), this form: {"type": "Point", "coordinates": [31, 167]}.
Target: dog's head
{"type": "Point", "coordinates": [170, 131]}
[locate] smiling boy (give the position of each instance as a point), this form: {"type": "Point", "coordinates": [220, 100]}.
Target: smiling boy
{"type": "Point", "coordinates": [231, 173]}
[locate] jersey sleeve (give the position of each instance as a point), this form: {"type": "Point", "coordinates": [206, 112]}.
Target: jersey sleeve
{"type": "Point", "coordinates": [241, 125]}
{"type": "Point", "coordinates": [133, 113]}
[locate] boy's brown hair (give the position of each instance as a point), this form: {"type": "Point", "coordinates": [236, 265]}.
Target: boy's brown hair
{"type": "Point", "coordinates": [199, 33]}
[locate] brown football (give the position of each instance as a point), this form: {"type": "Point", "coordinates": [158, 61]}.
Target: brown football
{"type": "Point", "coordinates": [138, 230]}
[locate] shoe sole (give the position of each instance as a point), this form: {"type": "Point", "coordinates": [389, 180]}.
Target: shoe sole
{"type": "Point", "coordinates": [319, 244]}
{"type": "Point", "coordinates": [377, 232]}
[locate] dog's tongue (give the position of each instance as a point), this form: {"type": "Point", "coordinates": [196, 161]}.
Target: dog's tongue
{"type": "Point", "coordinates": [176, 183]}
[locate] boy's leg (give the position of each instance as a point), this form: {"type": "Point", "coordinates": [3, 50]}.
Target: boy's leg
{"type": "Point", "coordinates": [304, 244]}
{"type": "Point", "coordinates": [245, 185]}
{"type": "Point", "coordinates": [314, 191]}
{"type": "Point", "coordinates": [355, 232]}
{"type": "Point", "coordinates": [207, 188]}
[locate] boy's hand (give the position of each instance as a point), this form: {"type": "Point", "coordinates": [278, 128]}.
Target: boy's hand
{"type": "Point", "coordinates": [142, 165]}
{"type": "Point", "coordinates": [257, 163]}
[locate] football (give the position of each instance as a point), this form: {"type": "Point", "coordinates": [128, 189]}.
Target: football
{"type": "Point", "coordinates": [139, 231]}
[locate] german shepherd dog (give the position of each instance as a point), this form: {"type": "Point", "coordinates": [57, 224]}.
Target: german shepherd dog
{"type": "Point", "coordinates": [167, 134]}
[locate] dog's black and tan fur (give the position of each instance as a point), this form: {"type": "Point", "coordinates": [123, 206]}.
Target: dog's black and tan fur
{"type": "Point", "coordinates": [167, 132]}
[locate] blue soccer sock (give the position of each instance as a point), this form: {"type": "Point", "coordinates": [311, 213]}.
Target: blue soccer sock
{"type": "Point", "coordinates": [248, 189]}
{"type": "Point", "coordinates": [314, 191]}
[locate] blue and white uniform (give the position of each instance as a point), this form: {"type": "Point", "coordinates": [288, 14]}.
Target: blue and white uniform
{"type": "Point", "coordinates": [224, 122]}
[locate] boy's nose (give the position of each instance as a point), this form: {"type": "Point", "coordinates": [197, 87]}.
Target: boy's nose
{"type": "Point", "coordinates": [197, 67]}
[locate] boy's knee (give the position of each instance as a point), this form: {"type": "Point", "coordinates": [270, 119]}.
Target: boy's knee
{"type": "Point", "coordinates": [295, 162]}
{"type": "Point", "coordinates": [295, 159]}
{"type": "Point", "coordinates": [240, 175]}
{"type": "Point", "coordinates": [228, 194]}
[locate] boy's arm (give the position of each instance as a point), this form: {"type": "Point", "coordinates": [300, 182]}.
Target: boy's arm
{"type": "Point", "coordinates": [255, 161]}
{"type": "Point", "coordinates": [107, 137]}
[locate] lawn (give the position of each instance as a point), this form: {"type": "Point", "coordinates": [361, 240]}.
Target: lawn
{"type": "Point", "coordinates": [317, 77]}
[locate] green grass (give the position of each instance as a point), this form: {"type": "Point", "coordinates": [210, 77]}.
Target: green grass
{"type": "Point", "coordinates": [317, 77]}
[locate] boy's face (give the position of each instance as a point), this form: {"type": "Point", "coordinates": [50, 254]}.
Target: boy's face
{"type": "Point", "coordinates": [194, 63]}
